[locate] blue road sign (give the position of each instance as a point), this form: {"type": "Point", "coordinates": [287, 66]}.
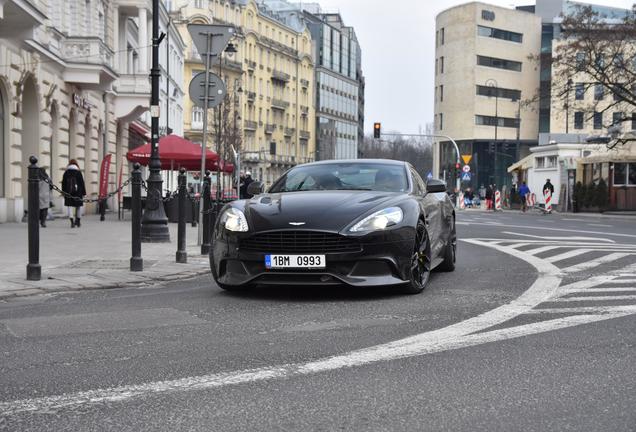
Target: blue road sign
{"type": "Point", "coordinates": [429, 175]}
{"type": "Point", "coordinates": [466, 177]}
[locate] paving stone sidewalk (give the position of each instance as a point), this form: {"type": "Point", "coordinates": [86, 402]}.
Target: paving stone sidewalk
{"type": "Point", "coordinates": [95, 256]}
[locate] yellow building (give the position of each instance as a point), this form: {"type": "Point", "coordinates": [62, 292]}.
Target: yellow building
{"type": "Point", "coordinates": [270, 82]}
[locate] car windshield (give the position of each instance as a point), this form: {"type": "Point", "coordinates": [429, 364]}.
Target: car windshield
{"type": "Point", "coordinates": [344, 176]}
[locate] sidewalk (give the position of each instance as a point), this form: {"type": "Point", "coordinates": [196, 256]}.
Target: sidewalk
{"type": "Point", "coordinates": [97, 255]}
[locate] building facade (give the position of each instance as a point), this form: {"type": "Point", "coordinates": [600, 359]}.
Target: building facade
{"type": "Point", "coordinates": [270, 82]}
{"type": "Point", "coordinates": [483, 72]}
{"type": "Point", "coordinates": [73, 85]}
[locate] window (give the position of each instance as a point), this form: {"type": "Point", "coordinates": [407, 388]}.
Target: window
{"type": "Point", "coordinates": [624, 174]}
{"type": "Point", "coordinates": [599, 91]}
{"type": "Point", "coordinates": [436, 65]}
{"type": "Point", "coordinates": [581, 61]}
{"type": "Point", "coordinates": [441, 36]}
{"type": "Point", "coordinates": [483, 120]}
{"type": "Point", "coordinates": [599, 62]}
{"type": "Point", "coordinates": [551, 162]}
{"type": "Point", "coordinates": [579, 91]}
{"type": "Point", "coordinates": [617, 119]}
{"type": "Point", "coordinates": [634, 121]}
{"type": "Point", "coordinates": [598, 120]}
{"type": "Point", "coordinates": [197, 118]}
{"type": "Point", "coordinates": [441, 93]}
{"type": "Point", "coordinates": [499, 34]}
{"type": "Point", "coordinates": [441, 121]}
{"type": "Point", "coordinates": [540, 162]}
{"type": "Point", "coordinates": [578, 120]}
{"type": "Point", "coordinates": [502, 93]}
{"type": "Point", "coordinates": [198, 4]}
{"type": "Point", "coordinates": [441, 65]}
{"type": "Point", "coordinates": [499, 63]}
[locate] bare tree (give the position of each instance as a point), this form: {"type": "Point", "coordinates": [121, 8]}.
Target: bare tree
{"type": "Point", "coordinates": [415, 151]}
{"type": "Point", "coordinates": [594, 52]}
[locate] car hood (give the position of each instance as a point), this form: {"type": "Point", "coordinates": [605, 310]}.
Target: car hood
{"type": "Point", "coordinates": [313, 210]}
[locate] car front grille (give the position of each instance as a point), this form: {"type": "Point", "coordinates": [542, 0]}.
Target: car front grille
{"type": "Point", "coordinates": [299, 242]}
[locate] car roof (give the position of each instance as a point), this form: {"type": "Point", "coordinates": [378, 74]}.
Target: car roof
{"type": "Point", "coordinates": [361, 161]}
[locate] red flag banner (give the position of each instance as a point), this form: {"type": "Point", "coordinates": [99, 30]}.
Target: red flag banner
{"type": "Point", "coordinates": [103, 176]}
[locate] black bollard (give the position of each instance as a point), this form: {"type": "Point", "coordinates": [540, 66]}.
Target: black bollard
{"type": "Point", "coordinates": [34, 270]}
{"type": "Point", "coordinates": [182, 255]}
{"type": "Point", "coordinates": [102, 209]}
{"type": "Point", "coordinates": [207, 205]}
{"type": "Point", "coordinates": [136, 262]}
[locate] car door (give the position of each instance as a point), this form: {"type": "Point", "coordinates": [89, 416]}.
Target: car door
{"type": "Point", "coordinates": [431, 204]}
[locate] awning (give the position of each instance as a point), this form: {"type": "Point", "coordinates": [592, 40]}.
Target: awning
{"type": "Point", "coordinates": [176, 152]}
{"type": "Point", "coordinates": [523, 164]}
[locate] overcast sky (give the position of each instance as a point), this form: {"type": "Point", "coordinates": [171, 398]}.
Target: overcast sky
{"type": "Point", "coordinates": [397, 38]}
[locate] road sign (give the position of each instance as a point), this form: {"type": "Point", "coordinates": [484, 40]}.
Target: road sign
{"type": "Point", "coordinates": [216, 90]}
{"type": "Point", "coordinates": [429, 175]}
{"type": "Point", "coordinates": [466, 177]}
{"type": "Point", "coordinates": [467, 158]}
{"type": "Point", "coordinates": [221, 35]}
{"type": "Point", "coordinates": [466, 168]}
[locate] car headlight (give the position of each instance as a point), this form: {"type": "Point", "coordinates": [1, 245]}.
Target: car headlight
{"type": "Point", "coordinates": [379, 220]}
{"type": "Point", "coordinates": [234, 220]}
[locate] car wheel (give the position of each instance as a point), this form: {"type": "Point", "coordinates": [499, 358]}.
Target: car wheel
{"type": "Point", "coordinates": [450, 251]}
{"type": "Point", "coordinates": [420, 270]}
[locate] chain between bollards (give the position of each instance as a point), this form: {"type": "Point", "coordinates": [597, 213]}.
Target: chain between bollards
{"type": "Point", "coordinates": [136, 262]}
{"type": "Point", "coordinates": [207, 205]}
{"type": "Point", "coordinates": [182, 255]}
{"type": "Point", "coordinates": [34, 270]}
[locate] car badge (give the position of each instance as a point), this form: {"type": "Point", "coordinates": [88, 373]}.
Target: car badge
{"type": "Point", "coordinates": [297, 223]}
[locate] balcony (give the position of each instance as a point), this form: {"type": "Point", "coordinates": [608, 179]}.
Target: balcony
{"type": "Point", "coordinates": [270, 128]}
{"type": "Point", "coordinates": [251, 65]}
{"type": "Point", "coordinates": [289, 131]}
{"type": "Point", "coordinates": [279, 104]}
{"type": "Point", "coordinates": [304, 110]}
{"type": "Point", "coordinates": [233, 65]}
{"type": "Point", "coordinates": [304, 134]}
{"type": "Point", "coordinates": [250, 125]}
{"type": "Point", "coordinates": [90, 61]}
{"type": "Point", "coordinates": [304, 83]}
{"type": "Point", "coordinates": [133, 96]}
{"type": "Point", "coordinates": [280, 76]}
{"type": "Point", "coordinates": [251, 96]}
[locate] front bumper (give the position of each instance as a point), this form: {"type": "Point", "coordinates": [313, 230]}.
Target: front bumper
{"type": "Point", "coordinates": [384, 259]}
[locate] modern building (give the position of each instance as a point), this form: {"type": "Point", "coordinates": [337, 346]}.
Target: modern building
{"type": "Point", "coordinates": [483, 72]}
{"type": "Point", "coordinates": [271, 81]}
{"type": "Point", "coordinates": [74, 84]}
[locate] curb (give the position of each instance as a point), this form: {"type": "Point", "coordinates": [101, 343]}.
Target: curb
{"type": "Point", "coordinates": [28, 292]}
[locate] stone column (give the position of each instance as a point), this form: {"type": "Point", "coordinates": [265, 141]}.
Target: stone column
{"type": "Point", "coordinates": [142, 40]}
{"type": "Point", "coordinates": [118, 55]}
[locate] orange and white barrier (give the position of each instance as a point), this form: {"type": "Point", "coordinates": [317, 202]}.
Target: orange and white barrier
{"type": "Point", "coordinates": [497, 201]}
{"type": "Point", "coordinates": [548, 200]}
{"type": "Point", "coordinates": [462, 203]}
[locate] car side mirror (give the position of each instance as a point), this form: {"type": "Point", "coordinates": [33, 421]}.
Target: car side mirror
{"type": "Point", "coordinates": [435, 185]}
{"type": "Point", "coordinates": [255, 188]}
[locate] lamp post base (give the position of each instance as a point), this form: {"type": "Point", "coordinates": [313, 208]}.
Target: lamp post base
{"type": "Point", "coordinates": [155, 232]}
{"type": "Point", "coordinates": [34, 272]}
{"type": "Point", "coordinates": [182, 257]}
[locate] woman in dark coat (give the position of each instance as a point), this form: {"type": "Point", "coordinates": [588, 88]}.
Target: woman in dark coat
{"type": "Point", "coordinates": [73, 185]}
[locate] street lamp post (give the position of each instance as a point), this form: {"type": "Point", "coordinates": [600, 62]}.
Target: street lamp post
{"type": "Point", "coordinates": [493, 85]}
{"type": "Point", "coordinates": [154, 224]}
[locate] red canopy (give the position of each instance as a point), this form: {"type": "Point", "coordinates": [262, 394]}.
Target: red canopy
{"type": "Point", "coordinates": [176, 152]}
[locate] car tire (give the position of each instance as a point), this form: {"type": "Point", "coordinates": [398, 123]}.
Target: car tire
{"type": "Point", "coordinates": [450, 251]}
{"type": "Point", "coordinates": [420, 271]}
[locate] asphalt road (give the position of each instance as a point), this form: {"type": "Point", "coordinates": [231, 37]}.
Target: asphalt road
{"type": "Point", "coordinates": [535, 330]}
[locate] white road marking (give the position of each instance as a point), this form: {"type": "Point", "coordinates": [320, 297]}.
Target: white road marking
{"type": "Point", "coordinates": [606, 289]}
{"type": "Point", "coordinates": [538, 250]}
{"type": "Point", "coordinates": [569, 254]}
{"type": "Point", "coordinates": [600, 225]}
{"type": "Point", "coordinates": [597, 298]}
{"type": "Point", "coordinates": [459, 335]}
{"type": "Point", "coordinates": [595, 262]}
{"type": "Point", "coordinates": [630, 309]}
{"type": "Point", "coordinates": [560, 238]}
{"type": "Point", "coordinates": [544, 228]}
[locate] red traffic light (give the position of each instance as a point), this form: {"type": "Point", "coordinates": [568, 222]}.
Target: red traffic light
{"type": "Point", "coordinates": [377, 127]}
{"type": "Point", "coordinates": [457, 165]}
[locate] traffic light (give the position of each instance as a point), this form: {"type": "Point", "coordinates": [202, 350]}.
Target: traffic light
{"type": "Point", "coordinates": [377, 130]}
{"type": "Point", "coordinates": [457, 165]}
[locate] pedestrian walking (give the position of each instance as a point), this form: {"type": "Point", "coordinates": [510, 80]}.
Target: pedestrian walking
{"type": "Point", "coordinates": [246, 183]}
{"type": "Point", "coordinates": [489, 197]}
{"type": "Point", "coordinates": [73, 186]}
{"type": "Point", "coordinates": [548, 186]}
{"type": "Point", "coordinates": [44, 193]}
{"type": "Point", "coordinates": [524, 191]}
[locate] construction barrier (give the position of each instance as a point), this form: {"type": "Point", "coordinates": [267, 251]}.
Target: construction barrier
{"type": "Point", "coordinates": [531, 200]}
{"type": "Point", "coordinates": [548, 200]}
{"type": "Point", "coordinates": [497, 201]}
{"type": "Point", "coordinates": [462, 204]}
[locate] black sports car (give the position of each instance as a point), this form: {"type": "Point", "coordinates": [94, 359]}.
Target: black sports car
{"type": "Point", "coordinates": [360, 222]}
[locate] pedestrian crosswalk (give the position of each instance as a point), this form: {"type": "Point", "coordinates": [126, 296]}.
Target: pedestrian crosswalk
{"type": "Point", "coordinates": [597, 276]}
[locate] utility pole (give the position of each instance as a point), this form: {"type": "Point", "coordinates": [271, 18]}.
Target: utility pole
{"type": "Point", "coordinates": [154, 224]}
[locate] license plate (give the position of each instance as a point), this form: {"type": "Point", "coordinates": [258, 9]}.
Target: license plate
{"type": "Point", "coordinates": [294, 261]}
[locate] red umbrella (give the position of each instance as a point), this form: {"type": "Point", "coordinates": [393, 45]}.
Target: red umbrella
{"type": "Point", "coordinates": [223, 166]}
{"type": "Point", "coordinates": [175, 152]}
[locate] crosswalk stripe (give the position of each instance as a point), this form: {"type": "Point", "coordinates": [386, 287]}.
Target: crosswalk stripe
{"type": "Point", "coordinates": [541, 249]}
{"type": "Point", "coordinates": [584, 309]}
{"type": "Point", "coordinates": [604, 290]}
{"type": "Point", "coordinates": [596, 298]}
{"type": "Point", "coordinates": [595, 262]}
{"type": "Point", "coordinates": [568, 254]}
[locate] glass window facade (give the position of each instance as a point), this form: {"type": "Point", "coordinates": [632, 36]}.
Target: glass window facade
{"type": "Point", "coordinates": [502, 93]}
{"type": "Point", "coordinates": [499, 34]}
{"type": "Point", "coordinates": [499, 63]}
{"type": "Point", "coordinates": [483, 120]}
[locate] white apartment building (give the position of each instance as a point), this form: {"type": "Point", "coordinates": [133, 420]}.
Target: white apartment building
{"type": "Point", "coordinates": [74, 83]}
